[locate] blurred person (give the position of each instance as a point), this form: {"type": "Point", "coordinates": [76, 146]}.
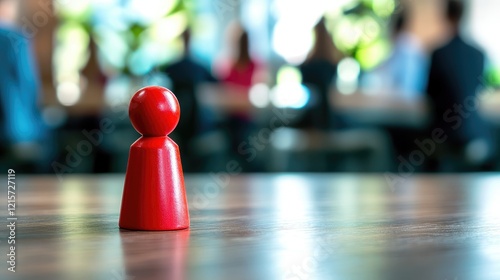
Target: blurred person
{"type": "Point", "coordinates": [187, 75]}
{"type": "Point", "coordinates": [20, 119]}
{"type": "Point", "coordinates": [94, 82]}
{"type": "Point", "coordinates": [454, 80]}
{"type": "Point", "coordinates": [404, 73]}
{"type": "Point", "coordinates": [238, 75]}
{"type": "Point", "coordinates": [242, 71]}
{"type": "Point", "coordinates": [318, 73]}
{"type": "Point", "coordinates": [94, 79]}
{"type": "Point", "coordinates": [402, 76]}
{"type": "Point", "coordinates": [340, 144]}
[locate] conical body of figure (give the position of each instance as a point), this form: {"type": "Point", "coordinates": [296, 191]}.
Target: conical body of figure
{"type": "Point", "coordinates": [154, 196]}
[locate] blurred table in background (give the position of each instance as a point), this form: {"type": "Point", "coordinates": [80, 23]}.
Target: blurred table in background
{"type": "Point", "coordinates": [381, 109]}
{"type": "Point", "coordinates": [264, 227]}
{"type": "Point", "coordinates": [360, 108]}
{"type": "Point", "coordinates": [226, 99]}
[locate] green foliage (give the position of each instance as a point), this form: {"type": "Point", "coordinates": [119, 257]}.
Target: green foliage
{"type": "Point", "coordinates": [361, 30]}
{"type": "Point", "coordinates": [133, 36]}
{"type": "Point", "coordinates": [492, 77]}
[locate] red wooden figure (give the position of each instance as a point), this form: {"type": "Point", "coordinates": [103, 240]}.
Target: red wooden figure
{"type": "Point", "coordinates": [154, 197]}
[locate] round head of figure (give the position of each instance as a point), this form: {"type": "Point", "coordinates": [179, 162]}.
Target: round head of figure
{"type": "Point", "coordinates": [9, 11]}
{"type": "Point", "coordinates": [154, 111]}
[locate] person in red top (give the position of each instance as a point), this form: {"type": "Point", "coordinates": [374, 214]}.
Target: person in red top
{"type": "Point", "coordinates": [238, 76]}
{"type": "Point", "coordinates": [243, 69]}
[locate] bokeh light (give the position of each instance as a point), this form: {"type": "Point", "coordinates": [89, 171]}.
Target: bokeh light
{"type": "Point", "coordinates": [348, 74]}
{"type": "Point", "coordinates": [71, 52]}
{"type": "Point", "coordinates": [149, 11]}
{"type": "Point", "coordinates": [288, 74]}
{"type": "Point", "coordinates": [259, 95]}
{"type": "Point", "coordinates": [292, 40]}
{"type": "Point", "coordinates": [290, 95]}
{"type": "Point", "coordinates": [289, 91]}
{"type": "Point", "coordinates": [384, 8]}
{"type": "Point", "coordinates": [68, 93]}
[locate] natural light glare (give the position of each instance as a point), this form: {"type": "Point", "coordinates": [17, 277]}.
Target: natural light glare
{"type": "Point", "coordinates": [72, 8]}
{"type": "Point", "coordinates": [370, 29]}
{"type": "Point", "coordinates": [290, 95]}
{"type": "Point", "coordinates": [372, 55]}
{"type": "Point", "coordinates": [292, 199]}
{"type": "Point", "coordinates": [133, 36]}
{"type": "Point", "coordinates": [489, 214]}
{"type": "Point", "coordinates": [288, 74]}
{"type": "Point", "coordinates": [348, 74]}
{"type": "Point", "coordinates": [304, 12]}
{"type": "Point", "coordinates": [348, 69]}
{"type": "Point", "coordinates": [347, 33]}
{"type": "Point", "coordinates": [72, 198]}
{"type": "Point", "coordinates": [293, 196]}
{"type": "Point", "coordinates": [292, 40]}
{"type": "Point", "coordinates": [68, 93]}
{"type": "Point", "coordinates": [384, 8]}
{"type": "Point", "coordinates": [289, 91]}
{"type": "Point", "coordinates": [332, 7]}
{"type": "Point", "coordinates": [148, 11]}
{"type": "Point", "coordinates": [292, 36]}
{"type": "Point", "coordinates": [346, 88]}
{"type": "Point", "coordinates": [483, 23]}
{"type": "Point", "coordinates": [489, 206]}
{"type": "Point", "coordinates": [71, 51]}
{"type": "Point", "coordinates": [168, 29]}
{"type": "Point", "coordinates": [259, 95]}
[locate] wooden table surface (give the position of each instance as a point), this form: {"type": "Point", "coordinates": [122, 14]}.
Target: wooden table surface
{"type": "Point", "coordinates": [290, 226]}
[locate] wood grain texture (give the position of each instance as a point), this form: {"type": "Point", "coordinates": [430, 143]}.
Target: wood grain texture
{"type": "Point", "coordinates": [306, 226]}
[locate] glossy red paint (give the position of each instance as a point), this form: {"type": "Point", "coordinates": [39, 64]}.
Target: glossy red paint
{"type": "Point", "coordinates": [154, 111]}
{"type": "Point", "coordinates": [154, 196]}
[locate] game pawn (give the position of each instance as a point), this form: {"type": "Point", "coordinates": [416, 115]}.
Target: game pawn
{"type": "Point", "coordinates": [154, 197]}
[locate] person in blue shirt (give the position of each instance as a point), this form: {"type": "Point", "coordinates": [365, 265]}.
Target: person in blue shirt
{"type": "Point", "coordinates": [404, 73]}
{"type": "Point", "coordinates": [187, 75]}
{"type": "Point", "coordinates": [21, 124]}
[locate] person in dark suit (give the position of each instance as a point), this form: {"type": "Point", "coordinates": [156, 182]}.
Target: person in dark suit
{"type": "Point", "coordinates": [454, 81]}
{"type": "Point", "coordinates": [20, 119]}
{"type": "Point", "coordinates": [318, 73]}
{"type": "Point", "coordinates": [187, 75]}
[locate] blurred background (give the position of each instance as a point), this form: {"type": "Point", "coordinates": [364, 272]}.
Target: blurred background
{"type": "Point", "coordinates": [264, 85]}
